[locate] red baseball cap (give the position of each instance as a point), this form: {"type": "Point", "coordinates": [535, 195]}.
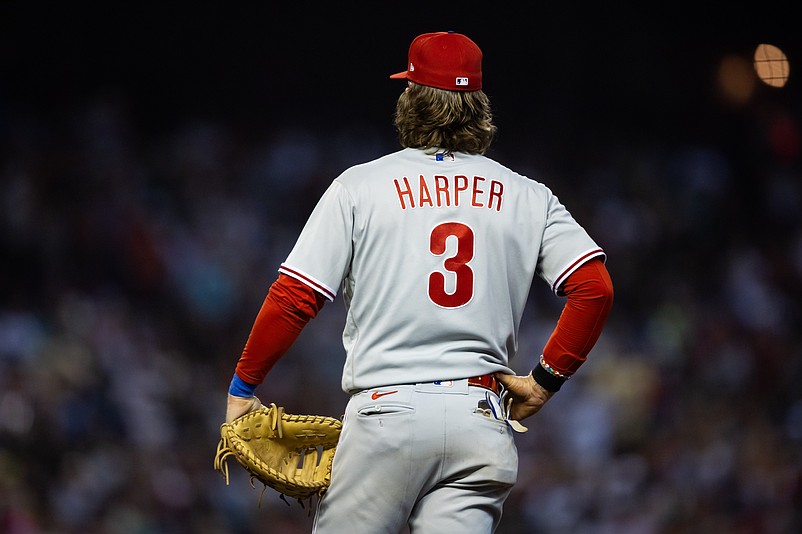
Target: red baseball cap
{"type": "Point", "coordinates": [445, 60]}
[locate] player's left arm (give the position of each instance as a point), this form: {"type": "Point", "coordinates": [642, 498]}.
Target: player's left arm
{"type": "Point", "coordinates": [589, 299]}
{"type": "Point", "coordinates": [287, 308]}
{"type": "Point", "coordinates": [589, 293]}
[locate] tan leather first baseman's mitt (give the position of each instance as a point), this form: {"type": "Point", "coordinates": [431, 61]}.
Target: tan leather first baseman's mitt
{"type": "Point", "coordinates": [290, 453]}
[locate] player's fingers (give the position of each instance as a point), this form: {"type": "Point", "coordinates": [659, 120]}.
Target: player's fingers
{"type": "Point", "coordinates": [517, 385]}
{"type": "Point", "coordinates": [504, 379]}
{"type": "Point", "coordinates": [519, 412]}
{"type": "Point", "coordinates": [528, 396]}
{"type": "Point", "coordinates": [525, 408]}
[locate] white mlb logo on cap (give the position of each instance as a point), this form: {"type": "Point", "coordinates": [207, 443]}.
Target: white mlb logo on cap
{"type": "Point", "coordinates": [462, 81]}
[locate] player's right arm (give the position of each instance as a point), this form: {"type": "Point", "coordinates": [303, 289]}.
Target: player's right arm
{"type": "Point", "coordinates": [287, 308]}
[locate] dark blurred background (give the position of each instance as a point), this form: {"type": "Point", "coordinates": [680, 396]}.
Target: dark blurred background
{"type": "Point", "coordinates": [157, 161]}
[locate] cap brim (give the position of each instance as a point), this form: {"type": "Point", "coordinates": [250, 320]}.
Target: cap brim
{"type": "Point", "coordinates": [399, 75]}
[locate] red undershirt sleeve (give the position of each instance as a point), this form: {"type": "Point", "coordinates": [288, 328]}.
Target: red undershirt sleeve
{"type": "Point", "coordinates": [287, 308]}
{"type": "Point", "coordinates": [589, 292]}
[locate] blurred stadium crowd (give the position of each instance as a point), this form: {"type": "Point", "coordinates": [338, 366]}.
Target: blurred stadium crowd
{"type": "Point", "coordinates": [133, 267]}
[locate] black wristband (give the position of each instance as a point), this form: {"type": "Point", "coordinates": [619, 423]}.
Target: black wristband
{"type": "Point", "coordinates": [549, 381]}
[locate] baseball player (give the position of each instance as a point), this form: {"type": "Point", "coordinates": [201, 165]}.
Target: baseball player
{"type": "Point", "coordinates": [434, 249]}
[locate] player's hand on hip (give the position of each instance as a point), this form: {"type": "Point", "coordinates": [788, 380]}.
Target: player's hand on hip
{"type": "Point", "coordinates": [528, 397]}
{"type": "Point", "coordinates": [239, 406]}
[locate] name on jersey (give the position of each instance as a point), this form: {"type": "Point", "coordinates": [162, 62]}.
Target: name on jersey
{"type": "Point", "coordinates": [441, 191]}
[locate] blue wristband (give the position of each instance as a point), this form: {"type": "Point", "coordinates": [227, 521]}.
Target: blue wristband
{"type": "Point", "coordinates": [240, 388]}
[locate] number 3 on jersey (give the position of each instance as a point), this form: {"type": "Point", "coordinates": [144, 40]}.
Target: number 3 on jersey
{"type": "Point", "coordinates": [457, 265]}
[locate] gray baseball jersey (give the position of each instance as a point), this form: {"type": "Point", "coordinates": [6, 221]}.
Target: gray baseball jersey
{"type": "Point", "coordinates": [435, 255]}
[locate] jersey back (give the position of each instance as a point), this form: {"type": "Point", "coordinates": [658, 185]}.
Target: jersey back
{"type": "Point", "coordinates": [435, 255]}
